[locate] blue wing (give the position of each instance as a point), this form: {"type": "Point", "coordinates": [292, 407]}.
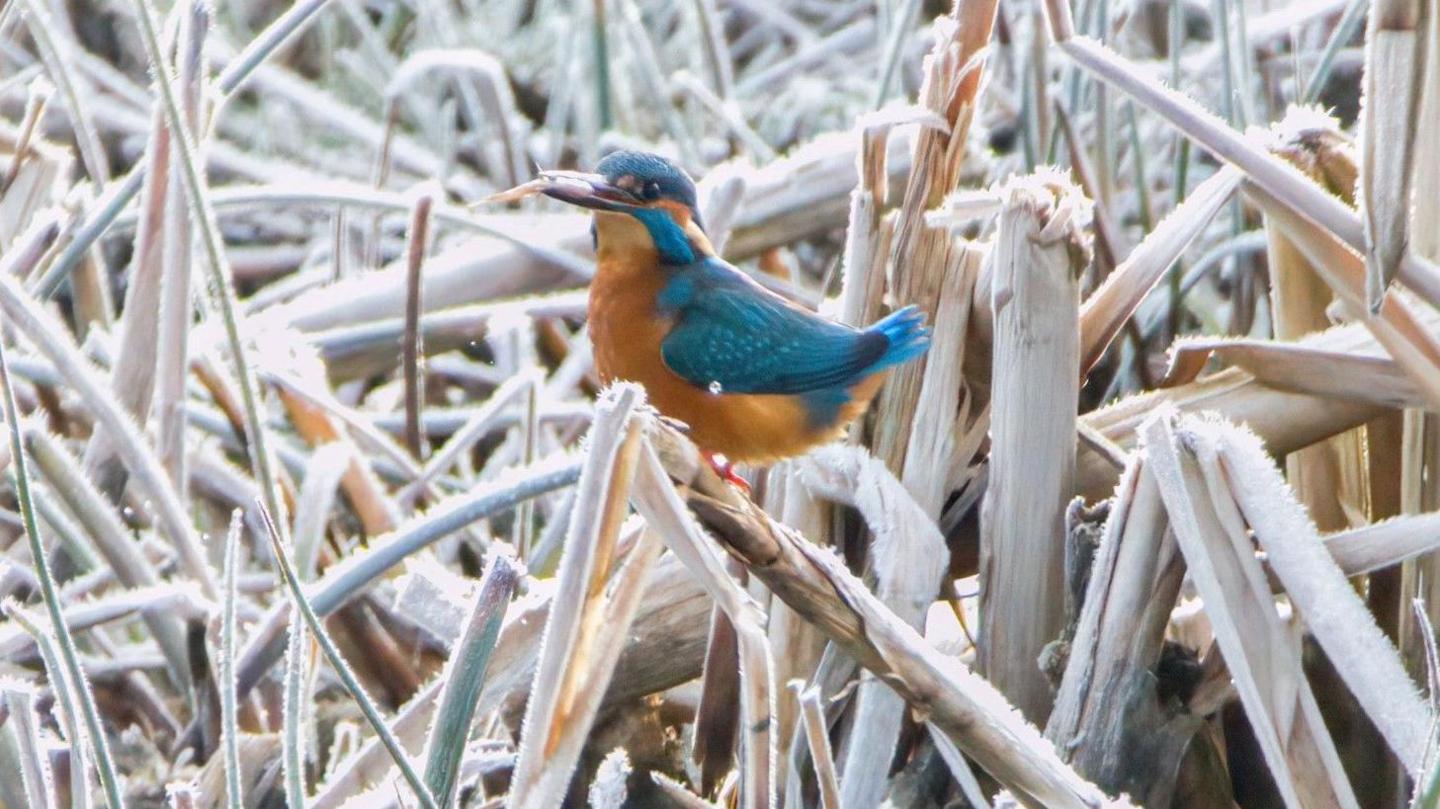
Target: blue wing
{"type": "Point", "coordinates": [732, 333]}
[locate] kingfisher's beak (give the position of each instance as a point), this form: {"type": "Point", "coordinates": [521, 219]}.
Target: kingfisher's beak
{"type": "Point", "coordinates": [586, 190]}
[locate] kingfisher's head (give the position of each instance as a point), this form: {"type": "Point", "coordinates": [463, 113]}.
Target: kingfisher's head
{"type": "Point", "coordinates": [640, 200]}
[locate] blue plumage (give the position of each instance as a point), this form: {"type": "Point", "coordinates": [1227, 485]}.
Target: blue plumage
{"type": "Point", "coordinates": [733, 336]}
{"type": "Point", "coordinates": [908, 336]}
{"type": "Point", "coordinates": [670, 241]}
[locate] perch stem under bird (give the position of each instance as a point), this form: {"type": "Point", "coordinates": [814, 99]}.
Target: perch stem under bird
{"type": "Point", "coordinates": [754, 377]}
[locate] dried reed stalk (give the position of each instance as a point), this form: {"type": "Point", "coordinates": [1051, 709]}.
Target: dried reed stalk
{"type": "Point", "coordinates": [1419, 448]}
{"type": "Point", "coordinates": [581, 641]}
{"type": "Point", "coordinates": [1300, 367]}
{"type": "Point", "coordinates": [172, 357]}
{"type": "Point", "coordinates": [1327, 603]}
{"type": "Point", "coordinates": [1041, 250]}
{"type": "Point", "coordinates": [1107, 310]}
{"type": "Point", "coordinates": [921, 252]}
{"type": "Point", "coordinates": [412, 349]}
{"type": "Point", "coordinates": [1394, 72]}
{"type": "Point", "coordinates": [818, 738]}
{"type": "Point", "coordinates": [1276, 177]}
{"type": "Point", "coordinates": [1328, 477]}
{"type": "Point", "coordinates": [661, 506]}
{"type": "Point", "coordinates": [1261, 652]}
{"type": "Point", "coordinates": [816, 584]}
{"type": "Point", "coordinates": [795, 644]}
{"type": "Point", "coordinates": [906, 546]}
{"type": "Point", "coordinates": [132, 377]}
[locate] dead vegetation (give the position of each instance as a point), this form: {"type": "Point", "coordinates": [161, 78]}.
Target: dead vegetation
{"type": "Point", "coordinates": [312, 499]}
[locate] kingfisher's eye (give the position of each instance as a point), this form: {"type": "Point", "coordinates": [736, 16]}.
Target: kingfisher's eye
{"type": "Point", "coordinates": [651, 191]}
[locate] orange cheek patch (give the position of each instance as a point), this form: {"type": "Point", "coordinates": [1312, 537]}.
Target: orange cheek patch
{"type": "Point", "coordinates": [678, 212]}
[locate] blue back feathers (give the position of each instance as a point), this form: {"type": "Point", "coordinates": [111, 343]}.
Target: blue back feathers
{"type": "Point", "coordinates": [733, 336]}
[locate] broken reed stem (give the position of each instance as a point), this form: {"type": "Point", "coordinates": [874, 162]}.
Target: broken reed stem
{"type": "Point", "coordinates": [1328, 477]}
{"type": "Point", "coordinates": [51, 594]}
{"type": "Point", "coordinates": [817, 736]}
{"type": "Point", "coordinates": [1261, 651]}
{"type": "Point", "coordinates": [1108, 718]}
{"type": "Point", "coordinates": [559, 713]}
{"type": "Point", "coordinates": [413, 346]}
{"type": "Point", "coordinates": [203, 217]}
{"type": "Point", "coordinates": [35, 102]}
{"type": "Point", "coordinates": [1040, 251]}
{"type": "Point", "coordinates": [920, 251]}
{"type": "Point", "coordinates": [1394, 69]}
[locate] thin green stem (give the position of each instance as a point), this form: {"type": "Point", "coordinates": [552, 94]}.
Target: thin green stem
{"type": "Point", "coordinates": [51, 595]}
{"type": "Point", "coordinates": [293, 747]}
{"type": "Point", "coordinates": [1344, 30]}
{"type": "Point", "coordinates": [1137, 160]}
{"type": "Point", "coordinates": [229, 710]}
{"type": "Point", "coordinates": [70, 713]}
{"type": "Point", "coordinates": [342, 669]}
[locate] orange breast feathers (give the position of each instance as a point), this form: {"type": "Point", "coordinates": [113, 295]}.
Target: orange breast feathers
{"type": "Point", "coordinates": [627, 332]}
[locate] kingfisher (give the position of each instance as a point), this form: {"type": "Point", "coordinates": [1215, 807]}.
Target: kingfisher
{"type": "Point", "coordinates": [754, 377]}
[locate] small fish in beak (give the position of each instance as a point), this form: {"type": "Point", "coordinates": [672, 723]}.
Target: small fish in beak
{"type": "Point", "coordinates": [577, 188]}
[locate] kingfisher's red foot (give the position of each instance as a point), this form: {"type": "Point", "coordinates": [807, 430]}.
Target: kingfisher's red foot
{"type": "Point", "coordinates": [726, 470]}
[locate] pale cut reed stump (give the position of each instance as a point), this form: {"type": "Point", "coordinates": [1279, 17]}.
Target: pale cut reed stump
{"type": "Point", "coordinates": [1040, 250]}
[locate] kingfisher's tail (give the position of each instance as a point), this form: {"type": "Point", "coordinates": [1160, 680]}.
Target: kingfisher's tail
{"type": "Point", "coordinates": [909, 337]}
